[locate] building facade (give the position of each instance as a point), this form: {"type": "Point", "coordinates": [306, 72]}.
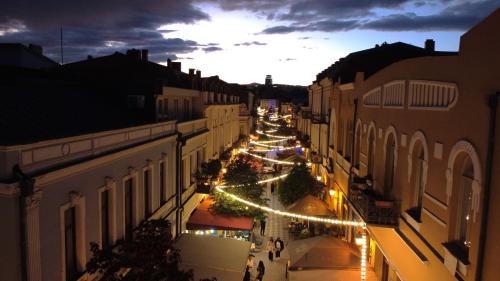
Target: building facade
{"type": "Point", "coordinates": [412, 149]}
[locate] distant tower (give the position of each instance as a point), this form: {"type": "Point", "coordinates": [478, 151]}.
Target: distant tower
{"type": "Point", "coordinates": [269, 80]}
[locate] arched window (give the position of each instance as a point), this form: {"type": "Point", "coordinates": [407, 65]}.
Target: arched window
{"type": "Point", "coordinates": [357, 145]}
{"type": "Point", "coordinates": [349, 140]}
{"type": "Point", "coordinates": [464, 205]}
{"type": "Point", "coordinates": [419, 184]}
{"type": "Point", "coordinates": [340, 140]}
{"type": "Point", "coordinates": [371, 152]}
{"type": "Point", "coordinates": [390, 160]}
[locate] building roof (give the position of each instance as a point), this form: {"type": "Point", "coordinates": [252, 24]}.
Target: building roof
{"type": "Point", "coordinates": [310, 206]}
{"type": "Point", "coordinates": [322, 252]}
{"type": "Point", "coordinates": [38, 105]}
{"type": "Point", "coordinates": [374, 59]}
{"type": "Point", "coordinates": [123, 69]}
{"type": "Point", "coordinates": [11, 54]}
{"type": "Point", "coordinates": [204, 218]}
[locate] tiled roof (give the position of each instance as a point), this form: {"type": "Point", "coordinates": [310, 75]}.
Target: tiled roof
{"type": "Point", "coordinates": [374, 59]}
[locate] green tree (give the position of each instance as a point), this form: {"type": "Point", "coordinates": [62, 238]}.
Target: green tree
{"type": "Point", "coordinates": [209, 170]}
{"type": "Point", "coordinates": [243, 179]}
{"type": "Point", "coordinates": [297, 185]}
{"type": "Point", "coordinates": [149, 257]}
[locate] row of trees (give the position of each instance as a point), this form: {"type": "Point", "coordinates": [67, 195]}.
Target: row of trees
{"type": "Point", "coordinates": [297, 185]}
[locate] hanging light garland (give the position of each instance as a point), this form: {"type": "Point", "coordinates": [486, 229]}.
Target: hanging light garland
{"type": "Point", "coordinates": [363, 240]}
{"type": "Point", "coordinates": [269, 141]}
{"type": "Point", "coordinates": [267, 159]}
{"type": "Point", "coordinates": [275, 136]}
{"type": "Point", "coordinates": [271, 124]}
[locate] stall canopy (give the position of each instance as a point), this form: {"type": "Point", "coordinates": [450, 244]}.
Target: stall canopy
{"type": "Point", "coordinates": [204, 218]}
{"type": "Point", "coordinates": [211, 256]}
{"type": "Point", "coordinates": [310, 206]}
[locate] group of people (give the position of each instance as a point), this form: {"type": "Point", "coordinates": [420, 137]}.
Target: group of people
{"type": "Point", "coordinates": [261, 269]}
{"type": "Point", "coordinates": [274, 248]}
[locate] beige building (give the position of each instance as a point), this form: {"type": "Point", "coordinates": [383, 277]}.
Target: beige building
{"type": "Point", "coordinates": [73, 175]}
{"type": "Point", "coordinates": [412, 150]}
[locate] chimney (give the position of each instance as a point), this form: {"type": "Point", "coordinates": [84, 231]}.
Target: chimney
{"type": "Point", "coordinates": [144, 54]}
{"type": "Point", "coordinates": [36, 48]}
{"type": "Point", "coordinates": [89, 57]}
{"type": "Point", "coordinates": [133, 53]}
{"type": "Point", "coordinates": [176, 65]}
{"type": "Point", "coordinates": [430, 45]}
{"type": "Point", "coordinates": [191, 72]}
{"type": "Point", "coordinates": [198, 73]}
{"type": "Point", "coordinates": [169, 62]}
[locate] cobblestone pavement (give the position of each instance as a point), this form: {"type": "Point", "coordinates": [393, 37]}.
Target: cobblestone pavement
{"type": "Point", "coordinates": [276, 226]}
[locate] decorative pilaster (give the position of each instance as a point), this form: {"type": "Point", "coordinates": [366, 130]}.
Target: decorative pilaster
{"type": "Point", "coordinates": [32, 204]}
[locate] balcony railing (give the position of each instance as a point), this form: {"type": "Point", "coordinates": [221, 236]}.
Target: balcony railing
{"type": "Point", "coordinates": [192, 127]}
{"type": "Point", "coordinates": [373, 207]}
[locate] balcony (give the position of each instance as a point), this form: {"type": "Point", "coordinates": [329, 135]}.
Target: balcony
{"type": "Point", "coordinates": [192, 127]}
{"type": "Point", "coordinates": [373, 207]}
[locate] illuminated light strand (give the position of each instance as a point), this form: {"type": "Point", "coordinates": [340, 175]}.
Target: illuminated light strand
{"type": "Point", "coordinates": [259, 182]}
{"type": "Point", "coordinates": [275, 136]}
{"type": "Point", "coordinates": [275, 148]}
{"type": "Point", "coordinates": [269, 141]}
{"type": "Point", "coordinates": [363, 259]}
{"type": "Point", "coordinates": [268, 159]}
{"type": "Point", "coordinates": [270, 124]}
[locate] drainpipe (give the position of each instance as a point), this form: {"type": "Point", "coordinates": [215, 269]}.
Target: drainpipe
{"type": "Point", "coordinates": [493, 104]}
{"type": "Point", "coordinates": [178, 176]}
{"type": "Point", "coordinates": [26, 185]}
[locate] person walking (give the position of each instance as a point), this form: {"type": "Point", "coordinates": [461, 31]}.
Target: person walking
{"type": "Point", "coordinates": [247, 274]}
{"type": "Point", "coordinates": [270, 249]}
{"type": "Point", "coordinates": [261, 269]}
{"type": "Point", "coordinates": [279, 245]}
{"type": "Point", "coordinates": [262, 227]}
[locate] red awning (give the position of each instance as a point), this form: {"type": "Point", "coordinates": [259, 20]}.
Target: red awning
{"type": "Point", "coordinates": [204, 218]}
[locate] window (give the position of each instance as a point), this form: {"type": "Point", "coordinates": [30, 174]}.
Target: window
{"type": "Point", "coordinates": [165, 107]}
{"type": "Point", "coordinates": [419, 187]}
{"type": "Point", "coordinates": [389, 165]}
{"type": "Point", "coordinates": [146, 182]}
{"type": "Point", "coordinates": [129, 207]}
{"type": "Point", "coordinates": [371, 153]}
{"type": "Point", "coordinates": [176, 108]}
{"type": "Point", "coordinates": [464, 206]}
{"type": "Point", "coordinates": [193, 168]}
{"type": "Point", "coordinates": [163, 197]}
{"type": "Point", "coordinates": [160, 107]}
{"type": "Point", "coordinates": [349, 140]}
{"type": "Point", "coordinates": [70, 244]}
{"type": "Point", "coordinates": [186, 109]}
{"type": "Point", "coordinates": [199, 158]}
{"type": "Point", "coordinates": [184, 170]}
{"type": "Point", "coordinates": [357, 148]}
{"type": "Point", "coordinates": [341, 137]}
{"type": "Point", "coordinates": [105, 219]}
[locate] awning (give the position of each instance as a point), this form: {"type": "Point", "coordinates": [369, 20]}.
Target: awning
{"type": "Point", "coordinates": [204, 218]}
{"type": "Point", "coordinates": [211, 256]}
{"type": "Point", "coordinates": [404, 259]}
{"type": "Point", "coordinates": [311, 206]}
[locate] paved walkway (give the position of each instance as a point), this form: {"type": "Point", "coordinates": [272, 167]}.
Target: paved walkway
{"type": "Point", "coordinates": [276, 226]}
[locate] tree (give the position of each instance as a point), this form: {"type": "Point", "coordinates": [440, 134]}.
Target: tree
{"type": "Point", "coordinates": [297, 185]}
{"type": "Point", "coordinates": [149, 257]}
{"type": "Point", "coordinates": [209, 170]}
{"type": "Point", "coordinates": [243, 181]}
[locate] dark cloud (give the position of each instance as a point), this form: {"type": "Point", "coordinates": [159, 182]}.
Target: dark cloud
{"type": "Point", "coordinates": [212, 49]}
{"type": "Point", "coordinates": [92, 27]}
{"type": "Point", "coordinates": [456, 17]}
{"type": "Point", "coordinates": [344, 17]}
{"type": "Point", "coordinates": [256, 43]}
{"type": "Point", "coordinates": [326, 25]}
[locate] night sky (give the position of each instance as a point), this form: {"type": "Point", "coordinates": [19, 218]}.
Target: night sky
{"type": "Point", "coordinates": [241, 41]}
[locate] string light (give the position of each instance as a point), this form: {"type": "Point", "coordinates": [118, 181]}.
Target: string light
{"type": "Point", "coordinates": [363, 241]}
{"type": "Point", "coordinates": [269, 141]}
{"type": "Point", "coordinates": [270, 124]}
{"type": "Point", "coordinates": [268, 159]}
{"type": "Point", "coordinates": [259, 182]}
{"type": "Point", "coordinates": [275, 136]}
